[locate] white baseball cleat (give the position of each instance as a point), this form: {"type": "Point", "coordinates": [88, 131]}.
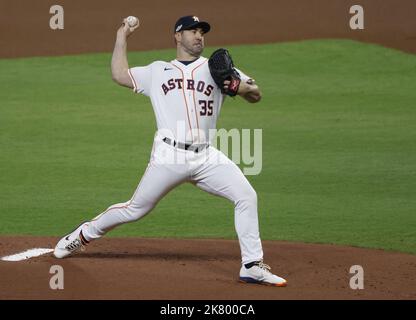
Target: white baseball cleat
{"type": "Point", "coordinates": [260, 273]}
{"type": "Point", "coordinates": [70, 243]}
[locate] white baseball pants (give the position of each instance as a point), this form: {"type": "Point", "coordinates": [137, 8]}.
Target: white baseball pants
{"type": "Point", "coordinates": [209, 170]}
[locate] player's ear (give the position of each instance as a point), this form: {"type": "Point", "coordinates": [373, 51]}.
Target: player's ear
{"type": "Point", "coordinates": [178, 36]}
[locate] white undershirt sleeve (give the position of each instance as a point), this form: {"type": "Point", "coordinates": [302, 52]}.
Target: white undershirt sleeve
{"type": "Point", "coordinates": [243, 76]}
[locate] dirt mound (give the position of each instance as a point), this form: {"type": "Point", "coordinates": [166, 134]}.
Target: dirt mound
{"type": "Point", "coordinates": [171, 269]}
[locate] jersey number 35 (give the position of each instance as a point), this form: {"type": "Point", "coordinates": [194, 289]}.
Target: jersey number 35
{"type": "Point", "coordinates": [206, 107]}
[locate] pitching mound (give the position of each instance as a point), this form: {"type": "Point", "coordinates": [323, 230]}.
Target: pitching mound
{"type": "Point", "coordinates": [136, 268]}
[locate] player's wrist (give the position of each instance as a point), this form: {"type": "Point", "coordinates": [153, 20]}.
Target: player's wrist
{"type": "Point", "coordinates": [247, 87]}
{"type": "Point", "coordinates": [121, 33]}
{"type": "Point", "coordinates": [243, 88]}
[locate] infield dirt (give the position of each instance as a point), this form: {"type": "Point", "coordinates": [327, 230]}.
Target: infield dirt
{"type": "Point", "coordinates": [134, 268]}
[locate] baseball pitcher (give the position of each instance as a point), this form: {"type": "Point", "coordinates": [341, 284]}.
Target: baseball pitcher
{"type": "Point", "coordinates": [186, 94]}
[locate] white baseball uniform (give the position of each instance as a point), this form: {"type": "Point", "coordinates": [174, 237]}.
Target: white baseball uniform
{"type": "Point", "coordinates": [186, 102]}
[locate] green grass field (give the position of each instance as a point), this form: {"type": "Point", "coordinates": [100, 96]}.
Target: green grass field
{"type": "Point", "coordinates": [339, 146]}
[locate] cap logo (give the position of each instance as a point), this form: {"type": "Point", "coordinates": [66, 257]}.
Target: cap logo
{"type": "Point", "coordinates": [178, 28]}
{"type": "Point", "coordinates": [196, 19]}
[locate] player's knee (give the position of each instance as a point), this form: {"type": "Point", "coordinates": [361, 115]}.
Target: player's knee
{"type": "Point", "coordinates": [252, 197]}
{"type": "Point", "coordinates": [138, 211]}
{"type": "Point", "coordinates": [248, 198]}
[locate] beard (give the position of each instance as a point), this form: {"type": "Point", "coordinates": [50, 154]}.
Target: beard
{"type": "Point", "coordinates": [195, 49]}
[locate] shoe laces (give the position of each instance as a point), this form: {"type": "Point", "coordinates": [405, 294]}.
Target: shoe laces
{"type": "Point", "coordinates": [263, 266]}
{"type": "Point", "coordinates": [74, 245]}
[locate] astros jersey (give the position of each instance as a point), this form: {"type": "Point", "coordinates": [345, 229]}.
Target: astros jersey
{"type": "Point", "coordinates": [185, 99]}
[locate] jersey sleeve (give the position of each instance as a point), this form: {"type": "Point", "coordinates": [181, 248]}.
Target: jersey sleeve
{"type": "Point", "coordinates": [243, 76]}
{"type": "Point", "coordinates": [142, 79]}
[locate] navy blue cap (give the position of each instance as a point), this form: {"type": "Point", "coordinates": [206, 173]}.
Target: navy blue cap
{"type": "Point", "coordinates": [191, 22]}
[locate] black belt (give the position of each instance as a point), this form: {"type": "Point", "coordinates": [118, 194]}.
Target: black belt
{"type": "Point", "coordinates": [186, 146]}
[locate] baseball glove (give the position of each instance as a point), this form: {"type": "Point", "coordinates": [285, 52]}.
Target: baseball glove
{"type": "Point", "coordinates": [221, 67]}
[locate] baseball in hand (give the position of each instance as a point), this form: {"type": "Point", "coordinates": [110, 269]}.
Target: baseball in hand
{"type": "Point", "coordinates": [132, 21]}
